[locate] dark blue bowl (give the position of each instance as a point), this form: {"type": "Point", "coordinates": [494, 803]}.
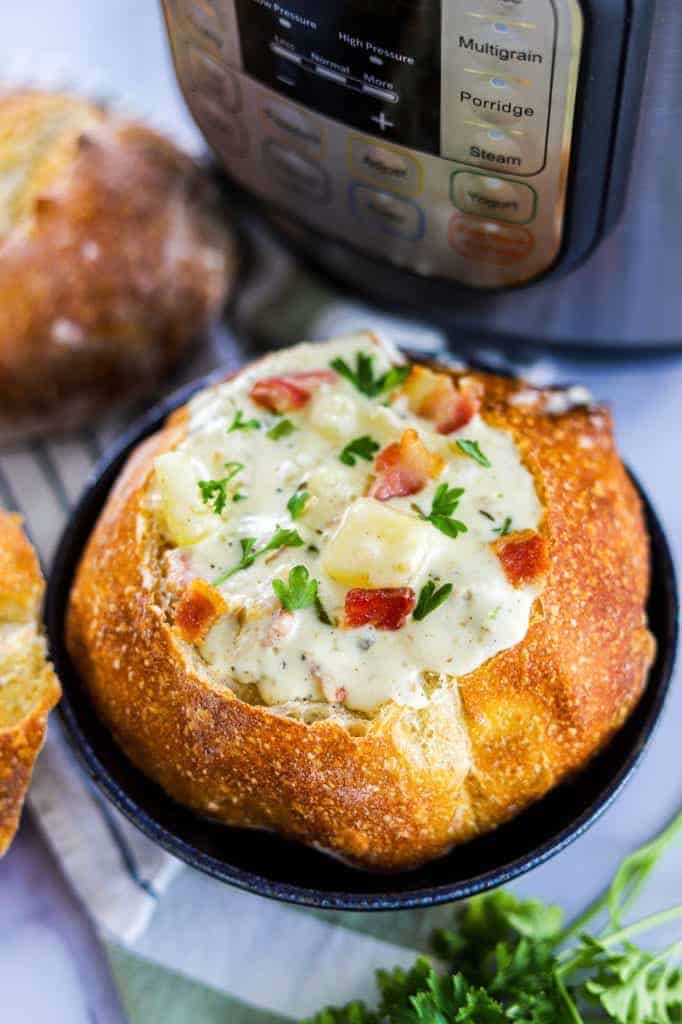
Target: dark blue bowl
{"type": "Point", "coordinates": [263, 862]}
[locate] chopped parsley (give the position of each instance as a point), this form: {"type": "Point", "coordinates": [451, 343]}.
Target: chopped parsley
{"type": "Point", "coordinates": [247, 559]}
{"type": "Point", "coordinates": [300, 592]}
{"type": "Point", "coordinates": [473, 450]}
{"type": "Point", "coordinates": [503, 960]}
{"type": "Point", "coordinates": [503, 530]}
{"type": "Point", "coordinates": [297, 503]}
{"type": "Point", "coordinates": [363, 378]}
{"type": "Point", "coordinates": [430, 599]}
{"type": "Point", "coordinates": [239, 423]}
{"type": "Point", "coordinates": [361, 448]}
{"type": "Point", "coordinates": [239, 497]}
{"type": "Point", "coordinates": [280, 539]}
{"type": "Point", "coordinates": [322, 613]}
{"type": "Point", "coordinates": [445, 502]}
{"type": "Point", "coordinates": [281, 429]}
{"type": "Point", "coordinates": [214, 492]}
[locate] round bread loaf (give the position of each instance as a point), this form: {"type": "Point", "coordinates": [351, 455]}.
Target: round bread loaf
{"type": "Point", "coordinates": [28, 686]}
{"type": "Point", "coordinates": [113, 258]}
{"type": "Point", "coordinates": [377, 607]}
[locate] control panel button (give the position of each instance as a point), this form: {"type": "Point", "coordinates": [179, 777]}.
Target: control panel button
{"type": "Point", "coordinates": [203, 15]}
{"type": "Point", "coordinates": [225, 132]}
{"type": "Point", "coordinates": [388, 213]}
{"type": "Point", "coordinates": [493, 147]}
{"type": "Point", "coordinates": [505, 41]}
{"type": "Point", "coordinates": [488, 241]}
{"type": "Point", "coordinates": [293, 124]}
{"type": "Point", "coordinates": [208, 76]}
{"type": "Point", "coordinates": [497, 77]}
{"type": "Point", "coordinates": [486, 196]}
{"type": "Point", "coordinates": [292, 170]}
{"type": "Point", "coordinates": [384, 165]}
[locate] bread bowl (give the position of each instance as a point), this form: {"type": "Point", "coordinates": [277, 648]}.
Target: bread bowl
{"type": "Point", "coordinates": [361, 721]}
{"type": "Point", "coordinates": [113, 258]}
{"type": "Point", "coordinates": [28, 685]}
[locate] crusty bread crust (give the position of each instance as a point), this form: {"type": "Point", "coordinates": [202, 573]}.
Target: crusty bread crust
{"type": "Point", "coordinates": [22, 733]}
{"type": "Point", "coordinates": [407, 785]}
{"type": "Point", "coordinates": [114, 256]}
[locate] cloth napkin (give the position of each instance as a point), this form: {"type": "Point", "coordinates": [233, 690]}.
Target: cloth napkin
{"type": "Point", "coordinates": [183, 947]}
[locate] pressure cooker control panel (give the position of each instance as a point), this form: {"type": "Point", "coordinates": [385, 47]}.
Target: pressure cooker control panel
{"type": "Point", "coordinates": [435, 134]}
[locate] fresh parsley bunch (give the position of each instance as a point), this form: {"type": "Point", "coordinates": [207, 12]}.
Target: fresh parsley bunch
{"type": "Point", "coordinates": [512, 960]}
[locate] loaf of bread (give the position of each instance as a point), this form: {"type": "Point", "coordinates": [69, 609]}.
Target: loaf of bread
{"type": "Point", "coordinates": [375, 606]}
{"type": "Point", "coordinates": [28, 686]}
{"type": "Point", "coordinates": [114, 256]}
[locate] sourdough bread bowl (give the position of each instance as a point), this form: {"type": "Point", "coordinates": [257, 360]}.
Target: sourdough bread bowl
{"type": "Point", "coordinates": [28, 686]}
{"type": "Point", "coordinates": [376, 607]}
{"type": "Point", "coordinates": [114, 257]}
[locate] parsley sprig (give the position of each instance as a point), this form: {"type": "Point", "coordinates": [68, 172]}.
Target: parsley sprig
{"type": "Point", "coordinates": [363, 378]}
{"type": "Point", "coordinates": [239, 423]}
{"type": "Point", "coordinates": [281, 538]}
{"type": "Point", "coordinates": [512, 960]}
{"type": "Point", "coordinates": [444, 503]}
{"type": "Point", "coordinates": [430, 599]}
{"type": "Point", "coordinates": [214, 492]}
{"type": "Point", "coordinates": [361, 448]}
{"type": "Point", "coordinates": [473, 450]}
{"type": "Point", "coordinates": [300, 592]}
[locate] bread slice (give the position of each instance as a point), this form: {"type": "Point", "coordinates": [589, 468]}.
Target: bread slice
{"type": "Point", "coordinates": [28, 685]}
{"type": "Point", "coordinates": [391, 788]}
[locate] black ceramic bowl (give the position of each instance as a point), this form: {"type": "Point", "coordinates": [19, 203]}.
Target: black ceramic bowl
{"type": "Point", "coordinates": [263, 862]}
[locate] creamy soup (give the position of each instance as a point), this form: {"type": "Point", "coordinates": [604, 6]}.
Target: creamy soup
{"type": "Point", "coordinates": [337, 586]}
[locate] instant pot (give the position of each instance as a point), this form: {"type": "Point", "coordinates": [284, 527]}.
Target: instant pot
{"type": "Point", "coordinates": [512, 166]}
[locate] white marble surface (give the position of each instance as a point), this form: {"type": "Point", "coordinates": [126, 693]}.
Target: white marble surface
{"type": "Point", "coordinates": [51, 969]}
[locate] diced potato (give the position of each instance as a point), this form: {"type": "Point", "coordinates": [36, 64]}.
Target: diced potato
{"type": "Point", "coordinates": [334, 415]}
{"type": "Point", "coordinates": [187, 518]}
{"type": "Point", "coordinates": [422, 383]}
{"type": "Point", "coordinates": [382, 424]}
{"type": "Point", "coordinates": [375, 546]}
{"type": "Point", "coordinates": [331, 491]}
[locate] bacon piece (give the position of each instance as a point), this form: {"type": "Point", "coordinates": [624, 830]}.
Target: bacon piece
{"type": "Point", "coordinates": [523, 555]}
{"type": "Point", "coordinates": [436, 397]}
{"type": "Point", "coordinates": [282, 394]}
{"type": "Point", "coordinates": [404, 467]}
{"type": "Point", "coordinates": [386, 608]}
{"type": "Point", "coordinates": [198, 609]}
